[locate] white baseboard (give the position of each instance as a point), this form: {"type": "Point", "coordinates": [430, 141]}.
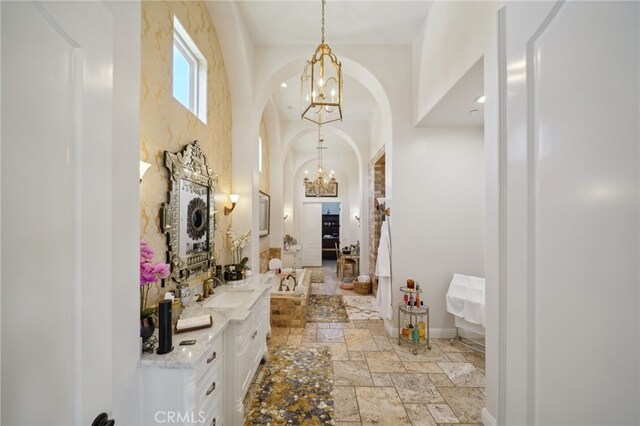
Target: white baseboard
{"type": "Point", "coordinates": [487, 418]}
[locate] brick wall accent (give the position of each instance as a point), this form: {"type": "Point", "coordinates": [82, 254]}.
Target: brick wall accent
{"type": "Point", "coordinates": [376, 189]}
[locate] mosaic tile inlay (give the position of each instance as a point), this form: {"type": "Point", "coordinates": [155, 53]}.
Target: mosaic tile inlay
{"type": "Point", "coordinates": [295, 388]}
{"type": "Point", "coordinates": [326, 308]}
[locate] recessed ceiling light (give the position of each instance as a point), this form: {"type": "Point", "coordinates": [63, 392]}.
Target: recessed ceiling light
{"type": "Point", "coordinates": [480, 99]}
{"type": "Point", "coordinates": [473, 111]}
{"type": "Point", "coordinates": [283, 84]}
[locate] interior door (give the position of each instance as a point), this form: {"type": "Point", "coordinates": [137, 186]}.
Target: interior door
{"type": "Point", "coordinates": [571, 94]}
{"type": "Point", "coordinates": [312, 234]}
{"type": "Point", "coordinates": [56, 212]}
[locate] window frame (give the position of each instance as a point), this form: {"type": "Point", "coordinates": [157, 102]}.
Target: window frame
{"type": "Point", "coordinates": [197, 71]}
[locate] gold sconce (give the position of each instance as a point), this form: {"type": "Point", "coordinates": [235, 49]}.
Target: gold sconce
{"type": "Point", "coordinates": [234, 200]}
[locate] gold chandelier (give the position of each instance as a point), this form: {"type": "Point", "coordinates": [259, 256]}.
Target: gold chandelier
{"type": "Point", "coordinates": [323, 184]}
{"type": "Point", "coordinates": [321, 85]}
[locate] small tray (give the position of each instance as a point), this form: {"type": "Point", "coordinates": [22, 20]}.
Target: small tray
{"type": "Point", "coordinates": [410, 290]}
{"type": "Point", "coordinates": [199, 327]}
{"type": "Point", "coordinates": [422, 310]}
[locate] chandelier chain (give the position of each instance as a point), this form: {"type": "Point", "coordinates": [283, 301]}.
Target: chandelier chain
{"type": "Point", "coordinates": [323, 2]}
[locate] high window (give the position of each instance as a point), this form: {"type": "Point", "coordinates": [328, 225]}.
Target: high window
{"type": "Point", "coordinates": [189, 72]}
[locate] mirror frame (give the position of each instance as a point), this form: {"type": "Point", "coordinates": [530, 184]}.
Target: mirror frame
{"type": "Point", "coordinates": [189, 164]}
{"type": "Point", "coordinates": [264, 201]}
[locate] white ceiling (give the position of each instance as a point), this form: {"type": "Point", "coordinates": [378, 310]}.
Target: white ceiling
{"type": "Point", "coordinates": [333, 143]}
{"type": "Point", "coordinates": [346, 22]}
{"type": "Point", "coordinates": [454, 108]}
{"type": "Point", "coordinates": [358, 104]}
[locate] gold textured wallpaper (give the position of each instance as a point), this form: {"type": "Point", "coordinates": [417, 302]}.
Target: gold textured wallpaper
{"type": "Point", "coordinates": [167, 125]}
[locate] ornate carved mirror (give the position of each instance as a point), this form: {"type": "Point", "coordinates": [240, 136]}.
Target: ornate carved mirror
{"type": "Point", "coordinates": [189, 217]}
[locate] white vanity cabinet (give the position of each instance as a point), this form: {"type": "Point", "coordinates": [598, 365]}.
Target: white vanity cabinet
{"type": "Point", "coordinates": [186, 393]}
{"type": "Point", "coordinates": [246, 345]}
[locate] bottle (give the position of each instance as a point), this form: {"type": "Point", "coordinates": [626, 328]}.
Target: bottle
{"type": "Point", "coordinates": [406, 300]}
{"type": "Point", "coordinates": [410, 284]}
{"type": "Point", "coordinates": [405, 330]}
{"type": "Point", "coordinates": [417, 300]}
{"type": "Point", "coordinates": [416, 334]}
{"type": "Point", "coordinates": [421, 328]}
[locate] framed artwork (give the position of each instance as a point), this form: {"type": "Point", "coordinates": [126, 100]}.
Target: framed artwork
{"type": "Point", "coordinates": [328, 190]}
{"type": "Point", "coordinates": [265, 213]}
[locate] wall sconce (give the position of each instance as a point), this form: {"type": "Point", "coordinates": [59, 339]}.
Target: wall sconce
{"type": "Point", "coordinates": [381, 206]}
{"type": "Point", "coordinates": [357, 217]}
{"type": "Point", "coordinates": [234, 200]}
{"type": "Point", "coordinates": [143, 169]}
{"type": "Point", "coordinates": [285, 217]}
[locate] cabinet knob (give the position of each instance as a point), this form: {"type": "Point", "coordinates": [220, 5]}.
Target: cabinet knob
{"type": "Point", "coordinates": [255, 333]}
{"type": "Point", "coordinates": [211, 389]}
{"type": "Point", "coordinates": [213, 356]}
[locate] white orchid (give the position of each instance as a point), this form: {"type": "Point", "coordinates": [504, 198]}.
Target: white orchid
{"type": "Point", "coordinates": [238, 243]}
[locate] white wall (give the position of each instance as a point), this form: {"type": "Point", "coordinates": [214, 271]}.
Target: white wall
{"type": "Point", "coordinates": [437, 222]}
{"type": "Point", "coordinates": [126, 214]}
{"type": "Point", "coordinates": [377, 138]}
{"type": "Point", "coordinates": [454, 36]}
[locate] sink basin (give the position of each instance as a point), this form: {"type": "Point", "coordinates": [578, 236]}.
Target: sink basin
{"type": "Point", "coordinates": [229, 299]}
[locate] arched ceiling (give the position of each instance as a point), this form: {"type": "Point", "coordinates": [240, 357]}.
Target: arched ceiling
{"type": "Point", "coordinates": [358, 104]}
{"type": "Point", "coordinates": [390, 22]}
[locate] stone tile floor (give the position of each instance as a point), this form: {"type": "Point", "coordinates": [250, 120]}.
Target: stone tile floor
{"type": "Point", "coordinates": [378, 382]}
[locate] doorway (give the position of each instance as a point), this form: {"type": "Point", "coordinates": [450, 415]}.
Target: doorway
{"type": "Point", "coordinates": [330, 232]}
{"type": "Point", "coordinates": [320, 232]}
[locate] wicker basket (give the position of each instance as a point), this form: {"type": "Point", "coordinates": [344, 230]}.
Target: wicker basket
{"type": "Point", "coordinates": [362, 288]}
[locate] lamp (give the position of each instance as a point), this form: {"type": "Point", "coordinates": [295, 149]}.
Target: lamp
{"type": "Point", "coordinates": [321, 85]}
{"type": "Point", "coordinates": [143, 169]}
{"type": "Point", "coordinates": [323, 184]}
{"type": "Point", "coordinates": [234, 200]}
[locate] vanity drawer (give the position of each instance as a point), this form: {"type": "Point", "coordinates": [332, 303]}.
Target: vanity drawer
{"type": "Point", "coordinates": [248, 326]}
{"type": "Point", "coordinates": [210, 386]}
{"type": "Point", "coordinates": [214, 411]}
{"type": "Point", "coordinates": [210, 358]}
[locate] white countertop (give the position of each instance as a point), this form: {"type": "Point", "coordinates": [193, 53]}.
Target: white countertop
{"type": "Point", "coordinates": [187, 356]}
{"type": "Point", "coordinates": [255, 286]}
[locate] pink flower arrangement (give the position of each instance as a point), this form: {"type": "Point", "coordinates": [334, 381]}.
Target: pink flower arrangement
{"type": "Point", "coordinates": [150, 273]}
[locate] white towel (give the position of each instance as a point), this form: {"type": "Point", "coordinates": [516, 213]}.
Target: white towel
{"type": "Point", "coordinates": [383, 264]}
{"type": "Point", "coordinates": [383, 272]}
{"type": "Point", "coordinates": [465, 298]}
{"type": "Point", "coordinates": [193, 322]}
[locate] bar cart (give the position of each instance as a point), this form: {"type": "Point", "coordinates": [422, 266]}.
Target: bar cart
{"type": "Point", "coordinates": [415, 338]}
